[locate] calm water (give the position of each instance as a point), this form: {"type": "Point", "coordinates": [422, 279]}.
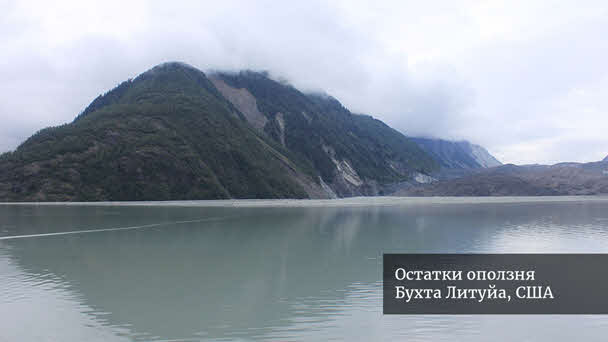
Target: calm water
{"type": "Point", "coordinates": [301, 273]}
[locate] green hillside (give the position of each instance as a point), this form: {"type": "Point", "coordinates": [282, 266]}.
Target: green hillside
{"type": "Point", "coordinates": [170, 134]}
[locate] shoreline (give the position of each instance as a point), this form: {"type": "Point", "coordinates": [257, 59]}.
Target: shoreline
{"type": "Point", "coordinates": [340, 202]}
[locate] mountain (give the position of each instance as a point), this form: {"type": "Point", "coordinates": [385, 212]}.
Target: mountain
{"type": "Point", "coordinates": [526, 180]}
{"type": "Point", "coordinates": [606, 159]}
{"type": "Point", "coordinates": [173, 133]}
{"type": "Point", "coordinates": [354, 154]}
{"type": "Point", "coordinates": [457, 154]}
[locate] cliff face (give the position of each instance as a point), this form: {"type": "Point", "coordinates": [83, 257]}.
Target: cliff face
{"type": "Point", "coordinates": [173, 133]}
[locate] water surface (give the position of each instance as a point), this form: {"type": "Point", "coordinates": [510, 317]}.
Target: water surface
{"type": "Point", "coordinates": [258, 272]}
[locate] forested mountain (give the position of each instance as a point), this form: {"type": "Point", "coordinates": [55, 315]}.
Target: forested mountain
{"type": "Point", "coordinates": [352, 153]}
{"type": "Point", "coordinates": [174, 133]}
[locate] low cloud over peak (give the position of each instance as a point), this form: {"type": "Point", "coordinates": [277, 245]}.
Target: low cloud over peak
{"type": "Point", "coordinates": [527, 80]}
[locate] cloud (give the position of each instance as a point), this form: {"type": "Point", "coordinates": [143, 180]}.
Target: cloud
{"type": "Point", "coordinates": [526, 79]}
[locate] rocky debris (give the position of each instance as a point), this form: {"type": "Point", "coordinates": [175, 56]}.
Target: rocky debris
{"type": "Point", "coordinates": [243, 101]}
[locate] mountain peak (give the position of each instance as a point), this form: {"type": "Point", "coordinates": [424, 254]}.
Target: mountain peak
{"type": "Point", "coordinates": [163, 77]}
{"type": "Point", "coordinates": [174, 64]}
{"type": "Point", "coordinates": [605, 159]}
{"type": "Point", "coordinates": [169, 67]}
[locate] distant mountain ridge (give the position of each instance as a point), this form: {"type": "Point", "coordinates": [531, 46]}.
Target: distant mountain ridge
{"type": "Point", "coordinates": [173, 133]}
{"type": "Point", "coordinates": [606, 159]}
{"type": "Point", "coordinates": [526, 180]}
{"type": "Point", "coordinates": [457, 154]}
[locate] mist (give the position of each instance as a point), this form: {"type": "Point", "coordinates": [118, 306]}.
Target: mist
{"type": "Point", "coordinates": [527, 80]}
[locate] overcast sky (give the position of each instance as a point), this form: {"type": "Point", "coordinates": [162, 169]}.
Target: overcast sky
{"type": "Point", "coordinates": [528, 80]}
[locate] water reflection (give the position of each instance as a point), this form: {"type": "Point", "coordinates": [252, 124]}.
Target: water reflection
{"type": "Point", "coordinates": [266, 273]}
